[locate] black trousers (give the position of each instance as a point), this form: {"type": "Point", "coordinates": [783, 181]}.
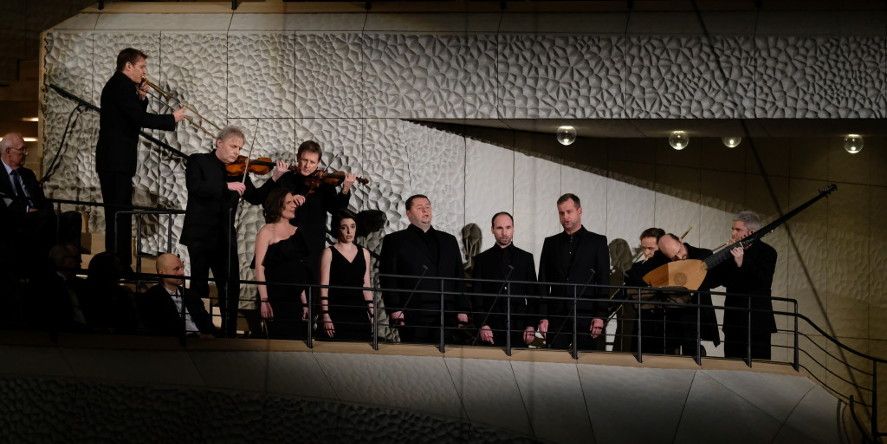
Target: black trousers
{"type": "Point", "coordinates": [736, 338]}
{"type": "Point", "coordinates": [117, 192]}
{"type": "Point", "coordinates": [206, 256]}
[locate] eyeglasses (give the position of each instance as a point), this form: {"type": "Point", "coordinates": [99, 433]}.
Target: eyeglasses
{"type": "Point", "coordinates": [22, 151]}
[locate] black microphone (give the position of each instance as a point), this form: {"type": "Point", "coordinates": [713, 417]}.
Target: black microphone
{"type": "Point", "coordinates": [493, 305]}
{"type": "Point", "coordinates": [415, 287]}
{"type": "Point", "coordinates": [584, 287]}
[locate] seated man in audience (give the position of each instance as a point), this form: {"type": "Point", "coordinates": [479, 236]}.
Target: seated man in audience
{"type": "Point", "coordinates": [161, 307]}
{"type": "Point", "coordinates": [25, 212]}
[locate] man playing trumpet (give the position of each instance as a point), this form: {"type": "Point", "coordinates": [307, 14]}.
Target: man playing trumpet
{"type": "Point", "coordinates": [123, 115]}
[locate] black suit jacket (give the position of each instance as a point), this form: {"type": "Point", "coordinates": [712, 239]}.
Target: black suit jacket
{"type": "Point", "coordinates": [709, 330]}
{"type": "Point", "coordinates": [19, 204]}
{"type": "Point", "coordinates": [160, 316]}
{"type": "Point", "coordinates": [493, 264]}
{"type": "Point", "coordinates": [755, 277]}
{"type": "Point", "coordinates": [311, 216]}
{"type": "Point", "coordinates": [590, 265]}
{"type": "Point", "coordinates": [122, 115]}
{"type": "Point", "coordinates": [404, 253]}
{"type": "Point", "coordinates": [209, 199]}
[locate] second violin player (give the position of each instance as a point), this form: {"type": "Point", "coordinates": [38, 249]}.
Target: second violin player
{"type": "Point", "coordinates": [315, 199]}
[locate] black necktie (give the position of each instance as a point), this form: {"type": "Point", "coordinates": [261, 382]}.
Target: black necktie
{"type": "Point", "coordinates": [19, 191]}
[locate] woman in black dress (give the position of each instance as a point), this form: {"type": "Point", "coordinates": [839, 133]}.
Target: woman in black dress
{"type": "Point", "coordinates": [346, 314]}
{"type": "Point", "coordinates": [281, 260]}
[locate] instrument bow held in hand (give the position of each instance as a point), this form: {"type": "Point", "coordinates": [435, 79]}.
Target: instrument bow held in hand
{"type": "Point", "coordinates": [334, 178]}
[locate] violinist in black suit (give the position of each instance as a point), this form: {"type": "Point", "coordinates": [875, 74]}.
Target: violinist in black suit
{"type": "Point", "coordinates": [123, 114]}
{"type": "Point", "coordinates": [209, 231]}
{"type": "Point", "coordinates": [504, 262]}
{"type": "Point", "coordinates": [421, 251]}
{"type": "Point", "coordinates": [314, 198]}
{"type": "Point", "coordinates": [574, 256]}
{"type": "Point", "coordinates": [681, 322]}
{"type": "Point", "coordinates": [161, 307]}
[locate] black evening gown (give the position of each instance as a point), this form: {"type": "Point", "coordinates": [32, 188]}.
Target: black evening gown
{"type": "Point", "coordinates": [348, 309]}
{"type": "Point", "coordinates": [286, 271]}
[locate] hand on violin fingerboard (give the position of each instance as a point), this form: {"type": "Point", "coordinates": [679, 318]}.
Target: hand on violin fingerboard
{"type": "Point", "coordinates": [279, 170]}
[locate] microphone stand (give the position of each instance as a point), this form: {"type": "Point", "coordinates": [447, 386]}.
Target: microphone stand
{"type": "Point", "coordinates": [493, 305]}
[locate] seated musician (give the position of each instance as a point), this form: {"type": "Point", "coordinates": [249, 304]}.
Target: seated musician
{"type": "Point", "coordinates": [680, 322]}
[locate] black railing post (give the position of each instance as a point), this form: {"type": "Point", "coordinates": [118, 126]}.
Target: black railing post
{"type": "Point", "coordinates": [697, 355]}
{"type": "Point", "coordinates": [442, 346]}
{"type": "Point", "coordinates": [876, 437]}
{"type": "Point", "coordinates": [138, 244]}
{"type": "Point", "coordinates": [640, 355]}
{"type": "Point", "coordinates": [508, 319]}
{"type": "Point", "coordinates": [796, 362]}
{"type": "Point", "coordinates": [575, 351]}
{"type": "Point", "coordinates": [310, 337]}
{"type": "Point", "coordinates": [169, 233]}
{"type": "Point", "coordinates": [748, 331]}
{"type": "Point", "coordinates": [375, 331]}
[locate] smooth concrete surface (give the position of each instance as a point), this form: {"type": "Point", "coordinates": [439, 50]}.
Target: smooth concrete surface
{"type": "Point", "coordinates": [542, 394]}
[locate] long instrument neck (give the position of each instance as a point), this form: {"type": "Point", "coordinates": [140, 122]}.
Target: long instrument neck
{"type": "Point", "coordinates": [724, 254]}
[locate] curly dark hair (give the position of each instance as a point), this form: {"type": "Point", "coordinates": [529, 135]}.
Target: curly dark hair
{"type": "Point", "coordinates": [273, 206]}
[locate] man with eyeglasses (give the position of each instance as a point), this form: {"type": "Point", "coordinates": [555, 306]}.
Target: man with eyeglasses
{"type": "Point", "coordinates": [123, 115]}
{"type": "Point", "coordinates": [681, 322]}
{"type": "Point", "coordinates": [26, 214]}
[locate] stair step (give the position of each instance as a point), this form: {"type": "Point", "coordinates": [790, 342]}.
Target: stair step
{"type": "Point", "coordinates": [20, 91]}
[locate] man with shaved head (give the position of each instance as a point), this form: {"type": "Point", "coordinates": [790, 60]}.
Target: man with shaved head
{"type": "Point", "coordinates": [161, 307]}
{"type": "Point", "coordinates": [681, 322]}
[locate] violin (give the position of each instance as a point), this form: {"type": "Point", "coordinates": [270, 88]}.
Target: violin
{"type": "Point", "coordinates": [261, 166]}
{"type": "Point", "coordinates": [334, 178]}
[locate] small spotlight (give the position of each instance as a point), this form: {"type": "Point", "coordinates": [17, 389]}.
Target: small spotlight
{"type": "Point", "coordinates": [678, 140]}
{"type": "Point", "coordinates": [29, 139]}
{"type": "Point", "coordinates": [853, 143]}
{"type": "Point", "coordinates": [731, 141]}
{"type": "Point", "coordinates": [566, 135]}
{"type": "Point", "coordinates": [30, 119]}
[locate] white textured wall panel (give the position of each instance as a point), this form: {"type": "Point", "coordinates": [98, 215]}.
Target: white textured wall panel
{"type": "Point", "coordinates": [489, 186]}
{"type": "Point", "coordinates": [261, 79]}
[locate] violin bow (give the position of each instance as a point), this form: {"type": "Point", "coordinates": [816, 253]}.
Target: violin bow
{"type": "Point", "coordinates": [249, 154]}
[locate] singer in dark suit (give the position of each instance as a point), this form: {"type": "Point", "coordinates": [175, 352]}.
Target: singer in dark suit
{"type": "Point", "coordinates": [209, 231]}
{"type": "Point", "coordinates": [421, 251]}
{"type": "Point", "coordinates": [574, 256]}
{"type": "Point", "coordinates": [504, 263]}
{"type": "Point", "coordinates": [123, 114]}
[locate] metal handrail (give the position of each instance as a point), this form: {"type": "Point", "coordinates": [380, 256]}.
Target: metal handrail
{"type": "Point", "coordinates": [443, 310]}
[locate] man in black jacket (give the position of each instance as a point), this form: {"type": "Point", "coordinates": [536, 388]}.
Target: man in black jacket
{"type": "Point", "coordinates": [429, 254]}
{"type": "Point", "coordinates": [314, 198]}
{"type": "Point", "coordinates": [681, 322]}
{"type": "Point", "coordinates": [749, 273]}
{"type": "Point", "coordinates": [161, 307]}
{"type": "Point", "coordinates": [504, 263]}
{"type": "Point", "coordinates": [572, 260]}
{"type": "Point", "coordinates": [123, 115]}
{"type": "Point", "coordinates": [26, 217]}
{"type": "Point", "coordinates": [209, 231]}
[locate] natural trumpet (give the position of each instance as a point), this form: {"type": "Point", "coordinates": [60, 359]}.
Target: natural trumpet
{"type": "Point", "coordinates": [196, 119]}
